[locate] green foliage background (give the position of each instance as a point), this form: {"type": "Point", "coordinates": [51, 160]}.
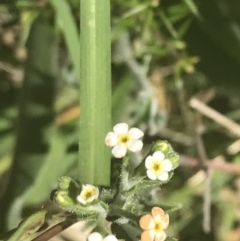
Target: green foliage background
{"type": "Point", "coordinates": [163, 54]}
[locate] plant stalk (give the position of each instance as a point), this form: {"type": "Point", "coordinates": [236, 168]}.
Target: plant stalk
{"type": "Point", "coordinates": [95, 91]}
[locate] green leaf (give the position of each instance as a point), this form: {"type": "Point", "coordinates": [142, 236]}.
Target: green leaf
{"type": "Point", "coordinates": [220, 27]}
{"type": "Point", "coordinates": [56, 164]}
{"type": "Point", "coordinates": [38, 224]}
{"type": "Point", "coordinates": [68, 26]}
{"type": "Point", "coordinates": [5, 164]}
{"type": "Point", "coordinates": [228, 211]}
{"type": "Point", "coordinates": [192, 6]}
{"type": "Point", "coordinates": [136, 10]}
{"type": "Point", "coordinates": [183, 28]}
{"type": "Point", "coordinates": [168, 25]}
{"type": "Point", "coordinates": [125, 231]}
{"type": "Point", "coordinates": [177, 12]}
{"type": "Point", "coordinates": [65, 183]}
{"type": "Point", "coordinates": [35, 112]}
{"type": "Point", "coordinates": [144, 184]}
{"type": "Point", "coordinates": [115, 211]}
{"type": "Point", "coordinates": [28, 227]}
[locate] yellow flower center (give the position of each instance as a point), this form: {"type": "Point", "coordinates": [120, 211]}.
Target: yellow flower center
{"type": "Point", "coordinates": [157, 166]}
{"type": "Point", "coordinates": [88, 193]}
{"type": "Point", "coordinates": [158, 227]}
{"type": "Point", "coordinates": [123, 138]}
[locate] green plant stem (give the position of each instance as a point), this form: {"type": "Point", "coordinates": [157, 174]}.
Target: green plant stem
{"type": "Point", "coordinates": [125, 173]}
{"type": "Point", "coordinates": [95, 91]}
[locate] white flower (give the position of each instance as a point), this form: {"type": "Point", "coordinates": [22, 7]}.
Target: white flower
{"type": "Point", "coordinates": [88, 194]}
{"type": "Point", "coordinates": [98, 237]}
{"type": "Point", "coordinates": [158, 167]}
{"type": "Point", "coordinates": [123, 139]}
{"type": "Point", "coordinates": [154, 225]}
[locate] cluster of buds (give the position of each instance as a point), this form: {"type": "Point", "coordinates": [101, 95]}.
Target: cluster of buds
{"type": "Point", "coordinates": [121, 205]}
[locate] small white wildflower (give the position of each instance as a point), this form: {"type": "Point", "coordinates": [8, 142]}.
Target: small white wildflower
{"type": "Point", "coordinates": [154, 225]}
{"type": "Point", "coordinates": [158, 167]}
{"type": "Point", "coordinates": [123, 139]}
{"type": "Point", "coordinates": [88, 194]}
{"type": "Point", "coordinates": [98, 237]}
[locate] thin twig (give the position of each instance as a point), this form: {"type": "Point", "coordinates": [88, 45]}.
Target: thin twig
{"type": "Point", "coordinates": [217, 164]}
{"type": "Point", "coordinates": [207, 184]}
{"type": "Point", "coordinates": [207, 202]}
{"type": "Point", "coordinates": [216, 116]}
{"type": "Point", "coordinates": [6, 67]}
{"type": "Point", "coordinates": [201, 150]}
{"type": "Point", "coordinates": [231, 126]}
{"type": "Point", "coordinates": [175, 136]}
{"type": "Point", "coordinates": [206, 95]}
{"type": "Point", "coordinates": [234, 148]}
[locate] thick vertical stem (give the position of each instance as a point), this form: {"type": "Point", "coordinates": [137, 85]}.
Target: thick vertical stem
{"type": "Point", "coordinates": [95, 91]}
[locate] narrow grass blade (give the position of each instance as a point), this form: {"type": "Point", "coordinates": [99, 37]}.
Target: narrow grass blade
{"type": "Point", "coordinates": [69, 29]}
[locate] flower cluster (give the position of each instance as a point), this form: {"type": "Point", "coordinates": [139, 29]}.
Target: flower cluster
{"type": "Point", "coordinates": [157, 166]}
{"type": "Point", "coordinates": [122, 139]}
{"type": "Point", "coordinates": [154, 225]}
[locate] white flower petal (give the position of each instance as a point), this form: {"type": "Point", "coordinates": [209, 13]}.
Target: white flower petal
{"type": "Point", "coordinates": [135, 145]}
{"type": "Point", "coordinates": [90, 199]}
{"type": "Point", "coordinates": [160, 236]}
{"type": "Point", "coordinates": [88, 188]}
{"type": "Point", "coordinates": [151, 224]}
{"type": "Point", "coordinates": [163, 176]}
{"type": "Point", "coordinates": [158, 155]}
{"type": "Point", "coordinates": [157, 218]}
{"type": "Point", "coordinates": [148, 162]}
{"type": "Point", "coordinates": [96, 193]}
{"type": "Point", "coordinates": [81, 200]}
{"type": "Point", "coordinates": [167, 165]}
{"type": "Point", "coordinates": [165, 221]}
{"type": "Point", "coordinates": [152, 234]}
{"type": "Point", "coordinates": [95, 237]}
{"type": "Point", "coordinates": [151, 175]}
{"type": "Point", "coordinates": [111, 139]}
{"type": "Point", "coordinates": [119, 151]}
{"type": "Point", "coordinates": [110, 238]}
{"type": "Point", "coordinates": [120, 128]}
{"type": "Point", "coordinates": [135, 133]}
